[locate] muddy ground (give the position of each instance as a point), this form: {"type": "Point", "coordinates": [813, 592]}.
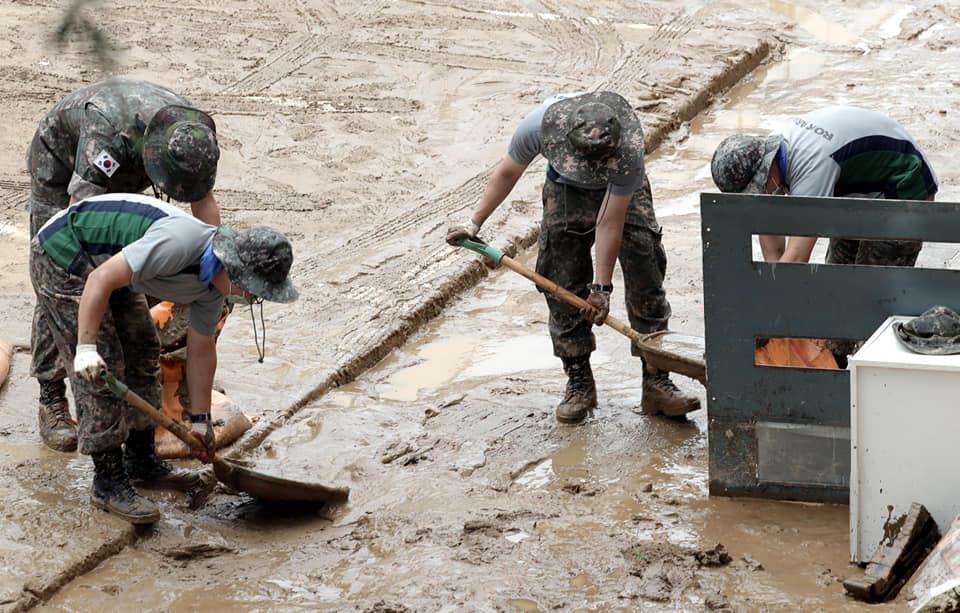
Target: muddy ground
{"type": "Point", "coordinates": [360, 129]}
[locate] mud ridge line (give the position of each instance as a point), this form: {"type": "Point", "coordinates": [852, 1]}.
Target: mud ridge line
{"type": "Point", "coordinates": [34, 595]}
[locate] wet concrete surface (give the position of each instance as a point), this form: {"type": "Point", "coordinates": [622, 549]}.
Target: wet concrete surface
{"type": "Point", "coordinates": [466, 493]}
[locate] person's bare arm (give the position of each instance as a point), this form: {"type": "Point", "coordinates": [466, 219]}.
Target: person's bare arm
{"type": "Point", "coordinates": [207, 209]}
{"type": "Point", "coordinates": [501, 183]}
{"type": "Point", "coordinates": [799, 249]}
{"type": "Point", "coordinates": [772, 247]}
{"type": "Point", "coordinates": [609, 236]}
{"type": "Point", "coordinates": [201, 367]}
{"type": "Point", "coordinates": [101, 283]}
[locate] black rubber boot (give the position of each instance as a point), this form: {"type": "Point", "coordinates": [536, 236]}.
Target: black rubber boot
{"type": "Point", "coordinates": [53, 418]}
{"type": "Point", "coordinates": [662, 396]}
{"type": "Point", "coordinates": [580, 398]}
{"type": "Point", "coordinates": [145, 466]}
{"type": "Point", "coordinates": [112, 491]}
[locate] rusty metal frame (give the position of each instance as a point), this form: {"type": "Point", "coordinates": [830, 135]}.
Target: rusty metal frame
{"type": "Point", "coordinates": [744, 300]}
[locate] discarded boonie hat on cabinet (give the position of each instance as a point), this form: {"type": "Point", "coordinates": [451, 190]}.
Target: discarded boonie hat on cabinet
{"type": "Point", "coordinates": [935, 332]}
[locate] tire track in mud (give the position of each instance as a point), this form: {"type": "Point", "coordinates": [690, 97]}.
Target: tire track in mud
{"type": "Point", "coordinates": [13, 194]}
{"type": "Point", "coordinates": [465, 195]}
{"type": "Point", "coordinates": [322, 39]}
{"type": "Point", "coordinates": [665, 40]}
{"type": "Point", "coordinates": [564, 33]}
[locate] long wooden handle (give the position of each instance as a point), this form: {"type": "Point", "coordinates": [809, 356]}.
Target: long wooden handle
{"type": "Point", "coordinates": [162, 419]}
{"type": "Point", "coordinates": [570, 298]}
{"type": "Point", "coordinates": [120, 390]}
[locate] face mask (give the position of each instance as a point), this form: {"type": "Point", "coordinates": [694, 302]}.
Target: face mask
{"type": "Point", "coordinates": [237, 298]}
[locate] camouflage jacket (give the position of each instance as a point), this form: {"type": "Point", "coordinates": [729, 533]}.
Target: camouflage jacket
{"type": "Point", "coordinates": [98, 132]}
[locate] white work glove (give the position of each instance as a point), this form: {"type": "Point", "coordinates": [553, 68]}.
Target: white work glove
{"type": "Point", "coordinates": [467, 230]}
{"type": "Point", "coordinates": [201, 426]}
{"type": "Point", "coordinates": [87, 363]}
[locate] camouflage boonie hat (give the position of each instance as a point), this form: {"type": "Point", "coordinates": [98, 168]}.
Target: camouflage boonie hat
{"type": "Point", "coordinates": [592, 138]}
{"type": "Point", "coordinates": [742, 163]}
{"type": "Point", "coordinates": [180, 152]}
{"type": "Point", "coordinates": [257, 260]}
{"type": "Point", "coordinates": [935, 332]}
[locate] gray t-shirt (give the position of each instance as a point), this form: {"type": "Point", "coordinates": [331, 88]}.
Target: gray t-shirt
{"type": "Point", "coordinates": [847, 151]}
{"type": "Point", "coordinates": [165, 263]}
{"type": "Point", "coordinates": [527, 143]}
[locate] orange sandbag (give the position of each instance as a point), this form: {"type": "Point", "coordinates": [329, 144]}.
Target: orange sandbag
{"type": "Point", "coordinates": [162, 313]}
{"type": "Point", "coordinates": [802, 352]}
{"type": "Point", "coordinates": [6, 351]}
{"type": "Point", "coordinates": [229, 424]}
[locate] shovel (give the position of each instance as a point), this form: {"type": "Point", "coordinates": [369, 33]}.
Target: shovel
{"type": "Point", "coordinates": [236, 475]}
{"type": "Point", "coordinates": [664, 350]}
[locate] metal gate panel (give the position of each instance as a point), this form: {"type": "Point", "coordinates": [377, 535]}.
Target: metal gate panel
{"type": "Point", "coordinates": [760, 416]}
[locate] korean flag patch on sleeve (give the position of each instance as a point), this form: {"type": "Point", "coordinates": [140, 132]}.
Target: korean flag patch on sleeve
{"type": "Point", "coordinates": [106, 163]}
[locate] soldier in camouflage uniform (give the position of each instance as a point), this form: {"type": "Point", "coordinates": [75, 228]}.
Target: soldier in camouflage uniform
{"type": "Point", "coordinates": [835, 151]}
{"type": "Point", "coordinates": [595, 190]}
{"type": "Point", "coordinates": [91, 265]}
{"type": "Point", "coordinates": [114, 136]}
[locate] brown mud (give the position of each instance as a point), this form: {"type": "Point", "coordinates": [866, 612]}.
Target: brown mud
{"type": "Point", "coordinates": [360, 131]}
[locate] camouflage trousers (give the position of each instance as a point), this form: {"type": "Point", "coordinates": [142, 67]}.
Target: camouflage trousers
{"type": "Point", "coordinates": [127, 342]}
{"type": "Point", "coordinates": [49, 178]}
{"type": "Point", "coordinates": [873, 253]}
{"type": "Point", "coordinates": [567, 235]}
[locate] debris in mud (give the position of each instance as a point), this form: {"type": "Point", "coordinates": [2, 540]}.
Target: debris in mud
{"type": "Point", "coordinates": [581, 489]}
{"type": "Point", "coordinates": [406, 452]}
{"type": "Point", "coordinates": [395, 450]}
{"type": "Point", "coordinates": [384, 607]}
{"type": "Point", "coordinates": [717, 602]}
{"type": "Point", "coordinates": [906, 542]}
{"type": "Point", "coordinates": [197, 551]}
{"type": "Point", "coordinates": [647, 488]}
{"type": "Point", "coordinates": [717, 556]}
{"type": "Point", "coordinates": [751, 564]}
{"type": "Point", "coordinates": [669, 573]}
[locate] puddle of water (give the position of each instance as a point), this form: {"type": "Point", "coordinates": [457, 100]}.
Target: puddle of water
{"type": "Point", "coordinates": [522, 604]}
{"type": "Point", "coordinates": [513, 355]}
{"type": "Point", "coordinates": [537, 477]}
{"type": "Point", "coordinates": [441, 362]}
{"type": "Point", "coordinates": [818, 26]}
{"type": "Point", "coordinates": [796, 543]}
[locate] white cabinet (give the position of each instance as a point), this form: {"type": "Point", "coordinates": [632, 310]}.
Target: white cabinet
{"type": "Point", "coordinates": [905, 437]}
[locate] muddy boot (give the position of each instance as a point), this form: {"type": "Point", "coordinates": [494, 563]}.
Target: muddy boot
{"type": "Point", "coordinates": [580, 398]}
{"type": "Point", "coordinates": [145, 466]}
{"type": "Point", "coordinates": [112, 491]}
{"type": "Point", "coordinates": [662, 396]}
{"type": "Point", "coordinates": [56, 427]}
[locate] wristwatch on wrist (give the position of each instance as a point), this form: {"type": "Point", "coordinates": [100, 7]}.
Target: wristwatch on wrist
{"type": "Point", "coordinates": [200, 418]}
{"type": "Point", "coordinates": [597, 287]}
